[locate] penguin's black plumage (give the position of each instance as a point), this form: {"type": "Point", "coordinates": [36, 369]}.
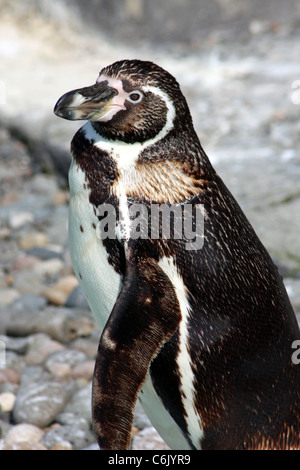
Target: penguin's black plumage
{"type": "Point", "coordinates": [201, 330]}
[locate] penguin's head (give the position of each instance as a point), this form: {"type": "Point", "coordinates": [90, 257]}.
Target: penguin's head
{"type": "Point", "coordinates": [132, 101]}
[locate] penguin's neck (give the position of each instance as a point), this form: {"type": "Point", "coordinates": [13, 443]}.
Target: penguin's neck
{"type": "Point", "coordinates": [153, 171]}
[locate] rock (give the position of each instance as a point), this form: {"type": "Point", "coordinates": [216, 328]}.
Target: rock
{"type": "Point", "coordinates": [28, 282]}
{"type": "Point", "coordinates": [39, 403]}
{"type": "Point", "coordinates": [27, 433]}
{"type": "Point", "coordinates": [23, 446]}
{"type": "Point", "coordinates": [33, 374]}
{"type": "Point", "coordinates": [148, 439]}
{"type": "Point", "coordinates": [62, 445]}
{"type": "Point", "coordinates": [93, 446]}
{"type": "Point", "coordinates": [7, 401]}
{"type": "Point", "coordinates": [77, 324]}
{"type": "Point", "coordinates": [9, 295]}
{"type": "Point", "coordinates": [31, 239]}
{"type": "Point", "coordinates": [85, 370]}
{"type": "Point", "coordinates": [60, 324]}
{"type": "Point", "coordinates": [28, 302]}
{"type": "Point", "coordinates": [4, 429]}
{"type": "Point", "coordinates": [40, 346]}
{"type": "Point", "coordinates": [77, 299]}
{"type": "Point", "coordinates": [45, 253]}
{"type": "Point", "coordinates": [77, 437]}
{"type": "Point", "coordinates": [18, 345]}
{"type": "Point", "coordinates": [60, 197]}
{"type": "Point", "coordinates": [61, 362]}
{"type": "Point", "coordinates": [80, 403]}
{"type": "Point", "coordinates": [19, 219]}
{"type": "Point", "coordinates": [70, 419]}
{"type": "Point", "coordinates": [49, 268]}
{"type": "Point", "coordinates": [59, 370]}
{"type": "Point", "coordinates": [59, 292]}
{"type": "Point", "coordinates": [88, 345]}
{"type": "Point", "coordinates": [9, 375]}
{"type": "Point", "coordinates": [25, 261]}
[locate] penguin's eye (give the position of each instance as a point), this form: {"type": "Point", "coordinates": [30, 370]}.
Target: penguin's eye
{"type": "Point", "coordinates": [135, 97]}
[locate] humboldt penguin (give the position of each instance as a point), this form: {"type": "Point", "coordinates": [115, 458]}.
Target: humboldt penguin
{"type": "Point", "coordinates": [196, 320]}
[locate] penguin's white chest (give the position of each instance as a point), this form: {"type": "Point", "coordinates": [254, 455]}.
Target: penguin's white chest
{"type": "Point", "coordinates": [98, 279]}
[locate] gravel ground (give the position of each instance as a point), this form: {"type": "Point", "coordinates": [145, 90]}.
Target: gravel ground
{"type": "Point", "coordinates": [245, 102]}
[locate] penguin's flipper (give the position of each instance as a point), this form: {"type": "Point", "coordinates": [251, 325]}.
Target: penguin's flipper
{"type": "Point", "coordinates": [145, 316]}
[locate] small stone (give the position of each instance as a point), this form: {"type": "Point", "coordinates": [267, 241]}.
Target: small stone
{"type": "Point", "coordinates": [59, 292]}
{"type": "Point", "coordinates": [60, 197]}
{"type": "Point", "coordinates": [78, 437]}
{"type": "Point", "coordinates": [24, 446]}
{"type": "Point", "coordinates": [18, 345]}
{"type": "Point", "coordinates": [39, 403]}
{"type": "Point", "coordinates": [19, 219]}
{"type": "Point", "coordinates": [62, 445]}
{"type": "Point", "coordinates": [77, 299]}
{"type": "Point", "coordinates": [14, 361]}
{"type": "Point", "coordinates": [4, 233]}
{"type": "Point", "coordinates": [7, 401]}
{"type": "Point", "coordinates": [148, 439]}
{"type": "Point", "coordinates": [25, 262]}
{"type": "Point", "coordinates": [29, 302]}
{"type": "Point", "coordinates": [4, 429]}
{"type": "Point", "coordinates": [32, 239]}
{"type": "Point", "coordinates": [50, 267]}
{"type": "Point", "coordinates": [60, 370]}
{"type": "Point", "coordinates": [7, 296]}
{"type": "Point", "coordinates": [27, 281]}
{"type": "Point", "coordinates": [25, 432]}
{"type": "Point", "coordinates": [32, 374]}
{"type": "Point", "coordinates": [45, 253]}
{"type": "Point", "coordinates": [72, 420]}
{"type": "Point", "coordinates": [87, 345]}
{"type": "Point", "coordinates": [78, 325]}
{"type": "Point", "coordinates": [9, 375]}
{"type": "Point", "coordinates": [85, 370]}
{"type": "Point", "coordinates": [40, 346]}
{"type": "Point", "coordinates": [65, 357]}
{"type": "Point", "coordinates": [80, 403]}
{"type": "Point", "coordinates": [93, 446]}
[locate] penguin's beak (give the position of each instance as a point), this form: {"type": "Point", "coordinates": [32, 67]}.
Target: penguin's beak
{"type": "Point", "coordinates": [91, 103]}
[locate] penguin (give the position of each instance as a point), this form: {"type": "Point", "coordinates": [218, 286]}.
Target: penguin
{"type": "Point", "coordinates": [196, 323]}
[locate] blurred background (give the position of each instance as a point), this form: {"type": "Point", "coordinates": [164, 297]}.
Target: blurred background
{"type": "Point", "coordinates": [238, 65]}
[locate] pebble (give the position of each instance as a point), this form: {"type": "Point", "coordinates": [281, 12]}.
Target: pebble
{"type": "Point", "coordinates": [33, 239]}
{"type": "Point", "coordinates": [65, 357]}
{"type": "Point", "coordinates": [50, 336]}
{"type": "Point", "coordinates": [84, 370]}
{"type": "Point", "coordinates": [18, 219]}
{"type": "Point", "coordinates": [40, 346]}
{"type": "Point", "coordinates": [7, 401]}
{"type": "Point", "coordinates": [49, 267]}
{"type": "Point", "coordinates": [40, 403]}
{"type": "Point", "coordinates": [8, 375]}
{"type": "Point", "coordinates": [7, 296]}
{"type": "Point", "coordinates": [59, 292]}
{"type": "Point", "coordinates": [62, 445]}
{"type": "Point", "coordinates": [148, 439]}
{"type": "Point", "coordinates": [24, 433]}
{"type": "Point", "coordinates": [76, 436]}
